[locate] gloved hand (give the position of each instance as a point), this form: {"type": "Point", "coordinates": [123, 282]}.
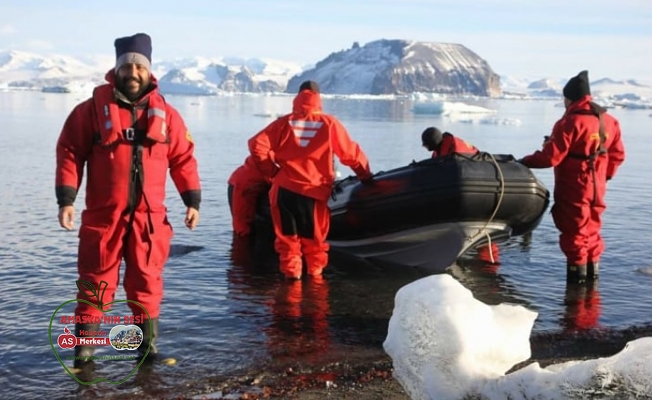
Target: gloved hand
{"type": "Point", "coordinates": [546, 139]}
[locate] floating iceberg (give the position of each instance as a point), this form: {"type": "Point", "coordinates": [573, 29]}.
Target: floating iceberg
{"type": "Point", "coordinates": [446, 108]}
{"type": "Point", "coordinates": [483, 120]}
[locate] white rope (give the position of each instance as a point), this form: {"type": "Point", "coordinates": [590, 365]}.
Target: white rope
{"type": "Point", "coordinates": [493, 215]}
{"type": "Point", "coordinates": [491, 250]}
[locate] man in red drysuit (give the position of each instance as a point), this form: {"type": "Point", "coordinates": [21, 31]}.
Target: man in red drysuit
{"type": "Point", "coordinates": [246, 184]}
{"type": "Point", "coordinates": [303, 144]}
{"type": "Point", "coordinates": [585, 149]}
{"type": "Point", "coordinates": [127, 137]}
{"type": "Point", "coordinates": [444, 144]}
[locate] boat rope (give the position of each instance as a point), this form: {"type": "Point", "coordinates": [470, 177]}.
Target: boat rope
{"type": "Point", "coordinates": [493, 215]}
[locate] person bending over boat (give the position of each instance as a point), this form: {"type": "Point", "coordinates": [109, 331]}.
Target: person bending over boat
{"type": "Point", "coordinates": [585, 149]}
{"type": "Point", "coordinates": [444, 144]}
{"type": "Point", "coordinates": [303, 144]}
{"type": "Point", "coordinates": [246, 184]}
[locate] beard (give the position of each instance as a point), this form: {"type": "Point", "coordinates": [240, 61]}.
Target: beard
{"type": "Point", "coordinates": [133, 87]}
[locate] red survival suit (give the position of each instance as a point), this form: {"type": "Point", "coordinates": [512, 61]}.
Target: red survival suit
{"type": "Point", "coordinates": [247, 183]}
{"type": "Point", "coordinates": [451, 144]}
{"type": "Point", "coordinates": [581, 172]}
{"type": "Point", "coordinates": [303, 144]}
{"type": "Point", "coordinates": [127, 150]}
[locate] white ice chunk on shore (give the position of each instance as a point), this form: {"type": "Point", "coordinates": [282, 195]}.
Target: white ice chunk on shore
{"type": "Point", "coordinates": [445, 345]}
{"type": "Point", "coordinates": [442, 339]}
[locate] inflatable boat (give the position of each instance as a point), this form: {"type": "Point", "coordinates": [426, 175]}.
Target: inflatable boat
{"type": "Point", "coordinates": [428, 213]}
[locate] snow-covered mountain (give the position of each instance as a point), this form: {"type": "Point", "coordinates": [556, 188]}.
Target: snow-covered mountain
{"type": "Point", "coordinates": [630, 93]}
{"type": "Point", "coordinates": [194, 76]}
{"type": "Point", "coordinates": [207, 76]}
{"type": "Point", "coordinates": [400, 67]}
{"type": "Point", "coordinates": [394, 67]}
{"type": "Point", "coordinates": [380, 67]}
{"type": "Point", "coordinates": [27, 71]}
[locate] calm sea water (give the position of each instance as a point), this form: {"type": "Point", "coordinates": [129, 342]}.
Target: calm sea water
{"type": "Point", "coordinates": [221, 317]}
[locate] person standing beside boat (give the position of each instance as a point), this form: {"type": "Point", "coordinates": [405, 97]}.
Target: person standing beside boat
{"type": "Point", "coordinates": [128, 138]}
{"type": "Point", "coordinates": [303, 144]}
{"type": "Point", "coordinates": [246, 184]}
{"type": "Point", "coordinates": [444, 144]}
{"type": "Point", "coordinates": [585, 149]}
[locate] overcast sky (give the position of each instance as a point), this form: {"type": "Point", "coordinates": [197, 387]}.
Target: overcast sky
{"type": "Point", "coordinates": [552, 38]}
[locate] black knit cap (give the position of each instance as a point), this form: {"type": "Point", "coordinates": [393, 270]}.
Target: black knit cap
{"type": "Point", "coordinates": [577, 87]}
{"type": "Point", "coordinates": [136, 49]}
{"type": "Point", "coordinates": [431, 137]}
{"type": "Point", "coordinates": [309, 85]}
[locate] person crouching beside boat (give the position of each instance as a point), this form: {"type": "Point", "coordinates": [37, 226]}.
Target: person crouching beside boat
{"type": "Point", "coordinates": [444, 144]}
{"type": "Point", "coordinates": [585, 149]}
{"type": "Point", "coordinates": [303, 144]}
{"type": "Point", "coordinates": [246, 184]}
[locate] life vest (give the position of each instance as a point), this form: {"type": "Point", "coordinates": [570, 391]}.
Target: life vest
{"type": "Point", "coordinates": [600, 149]}
{"type": "Point", "coordinates": [451, 144]}
{"type": "Point", "coordinates": [110, 128]}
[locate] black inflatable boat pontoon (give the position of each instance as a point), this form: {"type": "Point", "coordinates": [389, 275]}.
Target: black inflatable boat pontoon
{"type": "Point", "coordinates": [404, 214]}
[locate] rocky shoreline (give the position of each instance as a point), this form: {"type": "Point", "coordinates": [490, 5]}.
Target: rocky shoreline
{"type": "Point", "coordinates": [372, 378]}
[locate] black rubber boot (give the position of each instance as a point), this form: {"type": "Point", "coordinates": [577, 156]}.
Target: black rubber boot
{"type": "Point", "coordinates": [149, 334]}
{"type": "Point", "coordinates": [576, 273]}
{"type": "Point", "coordinates": [593, 270]}
{"type": "Point", "coordinates": [83, 354]}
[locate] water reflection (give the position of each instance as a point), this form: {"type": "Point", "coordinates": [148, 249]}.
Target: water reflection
{"type": "Point", "coordinates": [582, 307]}
{"type": "Point", "coordinates": [479, 271]}
{"type": "Point", "coordinates": [489, 256]}
{"type": "Point", "coordinates": [300, 325]}
{"type": "Point", "coordinates": [361, 110]}
{"type": "Point", "coordinates": [87, 374]}
{"type": "Point", "coordinates": [525, 242]}
{"type": "Point", "coordinates": [296, 323]}
{"type": "Point", "coordinates": [150, 381]}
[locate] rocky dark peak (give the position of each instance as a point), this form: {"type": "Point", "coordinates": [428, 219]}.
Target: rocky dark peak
{"type": "Point", "coordinates": [400, 67]}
